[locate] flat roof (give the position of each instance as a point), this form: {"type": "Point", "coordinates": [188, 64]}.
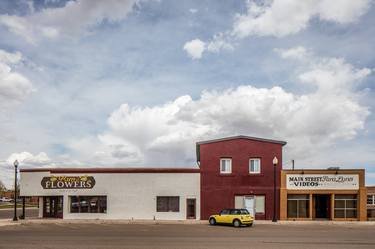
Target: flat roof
{"type": "Point", "coordinates": [243, 137]}
{"type": "Point", "coordinates": [112, 170]}
{"type": "Point", "coordinates": [330, 170]}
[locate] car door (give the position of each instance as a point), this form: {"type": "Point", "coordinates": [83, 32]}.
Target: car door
{"type": "Point", "coordinates": [234, 213]}
{"type": "Point", "coordinates": [223, 216]}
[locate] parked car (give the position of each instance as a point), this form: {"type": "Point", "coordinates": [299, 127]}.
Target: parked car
{"type": "Point", "coordinates": [5, 199]}
{"type": "Point", "coordinates": [236, 217]}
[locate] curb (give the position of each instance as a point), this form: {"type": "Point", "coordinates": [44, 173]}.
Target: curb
{"type": "Point", "coordinates": [5, 222]}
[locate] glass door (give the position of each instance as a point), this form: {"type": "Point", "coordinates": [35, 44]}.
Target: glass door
{"type": "Point", "coordinates": [249, 203]}
{"type": "Point", "coordinates": [53, 207]}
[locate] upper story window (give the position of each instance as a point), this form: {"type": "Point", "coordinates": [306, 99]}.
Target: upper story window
{"type": "Point", "coordinates": [254, 166]}
{"type": "Point", "coordinates": [225, 165]}
{"type": "Point", "coordinates": [371, 199]}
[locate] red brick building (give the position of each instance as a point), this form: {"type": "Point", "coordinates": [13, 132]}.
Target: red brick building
{"type": "Point", "coordinates": [237, 172]}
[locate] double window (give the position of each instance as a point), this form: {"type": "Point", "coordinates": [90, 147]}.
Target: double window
{"type": "Point", "coordinates": [225, 165]}
{"type": "Point", "coordinates": [167, 204]}
{"type": "Point", "coordinates": [345, 206]}
{"type": "Point", "coordinates": [298, 206]}
{"type": "Point", "coordinates": [88, 204]}
{"type": "Point", "coordinates": [254, 166]}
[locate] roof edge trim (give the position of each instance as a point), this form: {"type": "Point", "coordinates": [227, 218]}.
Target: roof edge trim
{"type": "Point", "coordinates": [243, 137]}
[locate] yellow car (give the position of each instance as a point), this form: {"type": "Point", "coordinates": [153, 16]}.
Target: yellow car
{"type": "Point", "coordinates": [236, 217]}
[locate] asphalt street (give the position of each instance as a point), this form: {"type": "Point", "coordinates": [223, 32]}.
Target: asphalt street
{"type": "Point", "coordinates": [198, 236]}
{"type": "Point", "coordinates": [9, 212]}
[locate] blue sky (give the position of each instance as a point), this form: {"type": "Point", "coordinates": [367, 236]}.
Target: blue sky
{"type": "Point", "coordinates": [137, 83]}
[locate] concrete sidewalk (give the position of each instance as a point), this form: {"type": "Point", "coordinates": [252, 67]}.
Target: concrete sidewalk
{"type": "Point", "coordinates": [6, 222]}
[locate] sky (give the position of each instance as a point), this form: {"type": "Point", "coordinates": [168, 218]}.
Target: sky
{"type": "Point", "coordinates": [136, 83]}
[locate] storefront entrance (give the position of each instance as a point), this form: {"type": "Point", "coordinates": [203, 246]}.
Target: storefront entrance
{"type": "Point", "coordinates": [52, 207]}
{"type": "Point", "coordinates": [322, 206]}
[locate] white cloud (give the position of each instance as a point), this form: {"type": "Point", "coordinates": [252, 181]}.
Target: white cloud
{"type": "Point", "coordinates": [72, 19]}
{"type": "Point", "coordinates": [26, 159]}
{"type": "Point", "coordinates": [219, 42]}
{"type": "Point", "coordinates": [310, 122]}
{"type": "Point", "coordinates": [12, 58]}
{"type": "Point", "coordinates": [299, 53]}
{"type": "Point", "coordinates": [194, 48]}
{"type": "Point", "coordinates": [14, 86]}
{"type": "Point", "coordinates": [280, 18]}
{"type": "Point", "coordinates": [329, 75]}
{"type": "Point", "coordinates": [193, 11]}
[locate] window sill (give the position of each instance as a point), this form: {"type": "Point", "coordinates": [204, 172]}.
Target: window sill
{"type": "Point", "coordinates": [255, 174]}
{"type": "Point", "coordinates": [228, 175]}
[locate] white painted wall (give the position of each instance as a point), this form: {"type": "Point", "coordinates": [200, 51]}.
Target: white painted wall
{"type": "Point", "coordinates": [129, 195]}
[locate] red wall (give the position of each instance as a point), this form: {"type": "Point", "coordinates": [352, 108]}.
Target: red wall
{"type": "Point", "coordinates": [218, 191]}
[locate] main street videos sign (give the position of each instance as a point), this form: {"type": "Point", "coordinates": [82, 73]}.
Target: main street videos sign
{"type": "Point", "coordinates": [68, 182]}
{"type": "Point", "coordinates": [322, 181]}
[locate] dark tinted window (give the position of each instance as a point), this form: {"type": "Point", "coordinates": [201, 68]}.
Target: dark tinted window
{"type": "Point", "coordinates": [88, 204]}
{"type": "Point", "coordinates": [235, 211]}
{"type": "Point", "coordinates": [167, 203]}
{"type": "Point", "coordinates": [224, 212]}
{"type": "Point", "coordinates": [244, 211]}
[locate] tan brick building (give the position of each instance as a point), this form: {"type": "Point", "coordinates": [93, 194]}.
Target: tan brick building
{"type": "Point", "coordinates": [371, 203]}
{"type": "Point", "coordinates": [331, 194]}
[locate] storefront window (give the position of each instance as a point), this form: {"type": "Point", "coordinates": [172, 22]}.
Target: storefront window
{"type": "Point", "coordinates": [88, 204]}
{"type": "Point", "coordinates": [167, 203]}
{"type": "Point", "coordinates": [259, 203]}
{"type": "Point", "coordinates": [371, 213]}
{"type": "Point", "coordinates": [345, 206]}
{"type": "Point", "coordinates": [298, 206]}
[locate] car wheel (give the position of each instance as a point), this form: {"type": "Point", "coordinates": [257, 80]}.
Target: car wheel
{"type": "Point", "coordinates": [236, 223]}
{"type": "Point", "coordinates": [212, 221]}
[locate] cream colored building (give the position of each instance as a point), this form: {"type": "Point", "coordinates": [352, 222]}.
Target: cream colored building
{"type": "Point", "coordinates": [118, 193]}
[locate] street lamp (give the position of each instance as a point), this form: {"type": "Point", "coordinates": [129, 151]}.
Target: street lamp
{"type": "Point", "coordinates": [15, 190]}
{"type": "Point", "coordinates": [275, 162]}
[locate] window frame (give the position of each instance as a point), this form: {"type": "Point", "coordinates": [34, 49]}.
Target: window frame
{"type": "Point", "coordinates": [257, 197]}
{"type": "Point", "coordinates": [297, 199]}
{"type": "Point", "coordinates": [372, 199]}
{"type": "Point", "coordinates": [346, 199]}
{"type": "Point", "coordinates": [169, 208]}
{"type": "Point", "coordinates": [100, 200]}
{"type": "Point", "coordinates": [230, 165]}
{"type": "Point", "coordinates": [260, 166]}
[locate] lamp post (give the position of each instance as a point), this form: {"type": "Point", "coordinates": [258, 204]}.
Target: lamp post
{"type": "Point", "coordinates": [15, 190]}
{"type": "Point", "coordinates": [274, 161]}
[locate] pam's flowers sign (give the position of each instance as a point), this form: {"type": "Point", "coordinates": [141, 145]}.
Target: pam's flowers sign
{"type": "Point", "coordinates": [68, 182]}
